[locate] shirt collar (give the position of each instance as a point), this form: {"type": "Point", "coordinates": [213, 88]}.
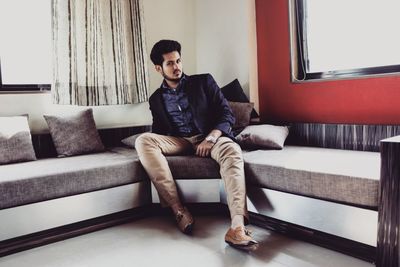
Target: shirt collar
{"type": "Point", "coordinates": [164, 84]}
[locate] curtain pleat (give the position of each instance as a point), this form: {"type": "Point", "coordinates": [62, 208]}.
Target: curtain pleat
{"type": "Point", "coordinates": [99, 52]}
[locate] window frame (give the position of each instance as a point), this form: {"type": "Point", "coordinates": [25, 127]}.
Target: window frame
{"type": "Point", "coordinates": [299, 59]}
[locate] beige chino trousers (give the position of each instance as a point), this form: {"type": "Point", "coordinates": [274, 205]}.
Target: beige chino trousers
{"type": "Point", "coordinates": [152, 149]}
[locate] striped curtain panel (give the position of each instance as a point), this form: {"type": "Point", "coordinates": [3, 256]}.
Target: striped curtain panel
{"type": "Point", "coordinates": [99, 52]}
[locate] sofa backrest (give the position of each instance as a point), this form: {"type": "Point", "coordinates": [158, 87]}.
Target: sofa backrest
{"type": "Point", "coordinates": [341, 136]}
{"type": "Point", "coordinates": [44, 147]}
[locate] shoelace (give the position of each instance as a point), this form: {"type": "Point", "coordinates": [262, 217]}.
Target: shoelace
{"type": "Point", "coordinates": [179, 216]}
{"type": "Point", "coordinates": [247, 231]}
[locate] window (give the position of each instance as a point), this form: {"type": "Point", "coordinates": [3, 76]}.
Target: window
{"type": "Point", "coordinates": [25, 47]}
{"type": "Point", "coordinates": [334, 39]}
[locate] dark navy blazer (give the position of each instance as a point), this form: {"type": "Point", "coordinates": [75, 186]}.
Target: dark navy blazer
{"type": "Point", "coordinates": [209, 107]}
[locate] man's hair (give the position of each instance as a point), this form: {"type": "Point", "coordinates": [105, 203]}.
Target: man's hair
{"type": "Point", "coordinates": [163, 47]}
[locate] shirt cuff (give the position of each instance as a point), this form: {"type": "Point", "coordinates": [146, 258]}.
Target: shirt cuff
{"type": "Point", "coordinates": [224, 127]}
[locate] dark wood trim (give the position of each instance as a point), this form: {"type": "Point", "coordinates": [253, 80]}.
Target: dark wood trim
{"type": "Point", "coordinates": [111, 137]}
{"type": "Point", "coordinates": [340, 136]}
{"type": "Point", "coordinates": [340, 244]}
{"type": "Point", "coordinates": [45, 237]}
{"type": "Point", "coordinates": [25, 87]}
{"type": "Point", "coordinates": [388, 250]}
{"type": "Point", "coordinates": [194, 208]}
{"type": "Point", "coordinates": [353, 73]}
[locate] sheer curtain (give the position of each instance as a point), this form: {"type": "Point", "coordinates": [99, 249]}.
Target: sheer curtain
{"type": "Point", "coordinates": [99, 52]}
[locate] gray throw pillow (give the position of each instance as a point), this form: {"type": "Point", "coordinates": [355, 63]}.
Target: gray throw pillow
{"type": "Point", "coordinates": [242, 113]}
{"type": "Point", "coordinates": [15, 140]}
{"type": "Point", "coordinates": [263, 136]}
{"type": "Point", "coordinates": [74, 135]}
{"type": "Point", "coordinates": [233, 92]}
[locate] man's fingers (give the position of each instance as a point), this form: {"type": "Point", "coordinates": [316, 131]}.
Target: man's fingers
{"type": "Point", "coordinates": [206, 152]}
{"type": "Point", "coordinates": [199, 151]}
{"type": "Point", "coordinates": [203, 150]}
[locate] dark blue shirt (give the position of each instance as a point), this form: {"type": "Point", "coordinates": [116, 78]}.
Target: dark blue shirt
{"type": "Point", "coordinates": [179, 112]}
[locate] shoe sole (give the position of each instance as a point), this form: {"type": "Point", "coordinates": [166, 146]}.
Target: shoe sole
{"type": "Point", "coordinates": [249, 247]}
{"type": "Point", "coordinates": [188, 229]}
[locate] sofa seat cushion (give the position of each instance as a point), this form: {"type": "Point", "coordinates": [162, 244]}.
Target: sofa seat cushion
{"type": "Point", "coordinates": [28, 182]}
{"type": "Point", "coordinates": [340, 175]}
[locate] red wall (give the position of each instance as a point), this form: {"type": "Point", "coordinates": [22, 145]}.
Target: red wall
{"type": "Point", "coordinates": [365, 101]}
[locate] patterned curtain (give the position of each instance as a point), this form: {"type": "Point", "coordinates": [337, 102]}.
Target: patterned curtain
{"type": "Point", "coordinates": [99, 52]}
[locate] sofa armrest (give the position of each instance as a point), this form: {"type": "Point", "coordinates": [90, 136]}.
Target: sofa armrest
{"type": "Point", "coordinates": [389, 199]}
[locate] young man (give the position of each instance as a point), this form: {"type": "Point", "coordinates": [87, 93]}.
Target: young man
{"type": "Point", "coordinates": [190, 114]}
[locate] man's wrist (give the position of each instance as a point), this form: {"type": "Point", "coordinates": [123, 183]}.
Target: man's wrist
{"type": "Point", "coordinates": [211, 139]}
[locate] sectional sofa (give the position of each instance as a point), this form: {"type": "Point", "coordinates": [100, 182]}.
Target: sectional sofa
{"type": "Point", "coordinates": [329, 185]}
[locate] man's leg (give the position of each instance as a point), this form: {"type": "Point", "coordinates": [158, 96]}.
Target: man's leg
{"type": "Point", "coordinates": [228, 154]}
{"type": "Point", "coordinates": [152, 149]}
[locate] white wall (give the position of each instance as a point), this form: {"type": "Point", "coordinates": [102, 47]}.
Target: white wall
{"type": "Point", "coordinates": [222, 47]}
{"type": "Point", "coordinates": [215, 38]}
{"type": "Point", "coordinates": [171, 19]}
{"type": "Point", "coordinates": [226, 42]}
{"type": "Point", "coordinates": [40, 103]}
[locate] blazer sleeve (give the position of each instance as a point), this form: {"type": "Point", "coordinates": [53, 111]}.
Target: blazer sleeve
{"type": "Point", "coordinates": [224, 117]}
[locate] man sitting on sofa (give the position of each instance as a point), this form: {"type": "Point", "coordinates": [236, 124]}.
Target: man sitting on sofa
{"type": "Point", "coordinates": [190, 115]}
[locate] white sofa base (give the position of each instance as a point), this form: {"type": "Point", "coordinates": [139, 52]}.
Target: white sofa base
{"type": "Point", "coordinates": [358, 225]}
{"type": "Point", "coordinates": [31, 218]}
{"type": "Point", "coordinates": [195, 190]}
{"type": "Point", "coordinates": [341, 220]}
{"type": "Point", "coordinates": [345, 221]}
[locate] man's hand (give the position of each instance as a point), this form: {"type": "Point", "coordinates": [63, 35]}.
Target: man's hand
{"type": "Point", "coordinates": [204, 149]}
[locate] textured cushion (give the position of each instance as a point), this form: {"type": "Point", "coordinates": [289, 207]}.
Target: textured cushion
{"type": "Point", "coordinates": [187, 166]}
{"type": "Point", "coordinates": [45, 179]}
{"type": "Point", "coordinates": [263, 136]}
{"type": "Point", "coordinates": [333, 174]}
{"type": "Point", "coordinates": [241, 112]}
{"type": "Point", "coordinates": [74, 135]}
{"type": "Point", "coordinates": [15, 140]}
{"type": "Point", "coordinates": [234, 92]}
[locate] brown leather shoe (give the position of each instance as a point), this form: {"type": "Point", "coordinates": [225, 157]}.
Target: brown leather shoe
{"type": "Point", "coordinates": [184, 220]}
{"type": "Point", "coordinates": [239, 237]}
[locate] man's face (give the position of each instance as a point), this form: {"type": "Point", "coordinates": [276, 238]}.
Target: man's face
{"type": "Point", "coordinates": [171, 68]}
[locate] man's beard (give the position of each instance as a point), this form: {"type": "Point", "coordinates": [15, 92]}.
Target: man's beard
{"type": "Point", "coordinates": [171, 79]}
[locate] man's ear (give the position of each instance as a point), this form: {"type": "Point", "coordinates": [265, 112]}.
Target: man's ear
{"type": "Point", "coordinates": [158, 68]}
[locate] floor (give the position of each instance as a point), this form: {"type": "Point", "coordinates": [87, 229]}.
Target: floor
{"type": "Point", "coordinates": [155, 241]}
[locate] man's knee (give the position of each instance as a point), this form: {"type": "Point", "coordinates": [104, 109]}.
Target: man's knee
{"type": "Point", "coordinates": [228, 143]}
{"type": "Point", "coordinates": [145, 140]}
{"type": "Point", "coordinates": [227, 147]}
